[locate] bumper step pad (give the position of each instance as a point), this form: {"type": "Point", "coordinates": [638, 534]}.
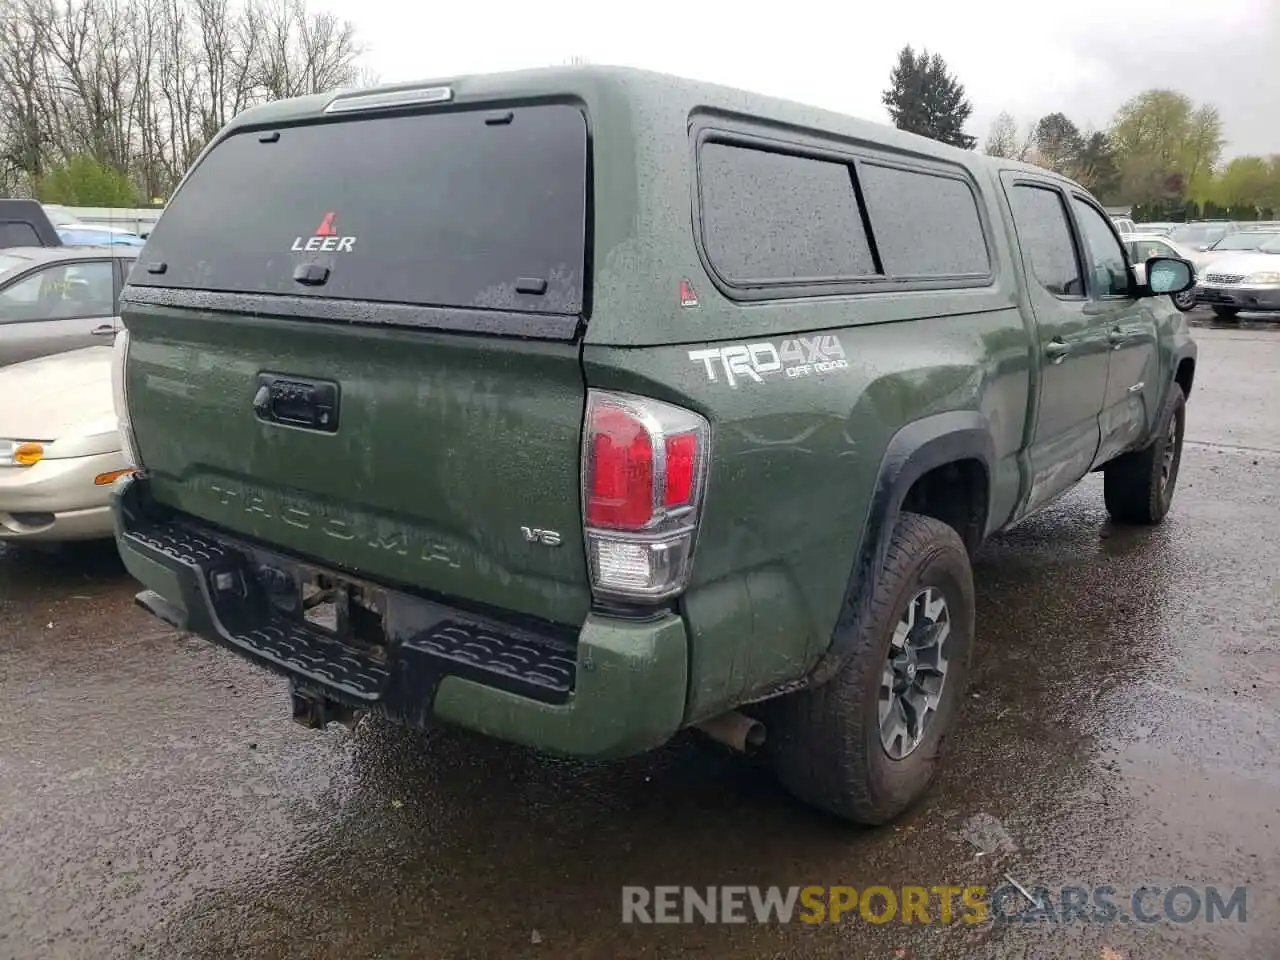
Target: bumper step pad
{"type": "Point", "coordinates": [223, 601]}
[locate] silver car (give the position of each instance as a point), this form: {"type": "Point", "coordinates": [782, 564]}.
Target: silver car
{"type": "Point", "coordinates": [54, 299]}
{"type": "Point", "coordinates": [1248, 281]}
{"type": "Point", "coordinates": [59, 447]}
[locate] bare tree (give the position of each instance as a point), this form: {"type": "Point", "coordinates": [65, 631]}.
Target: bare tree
{"type": "Point", "coordinates": [301, 52]}
{"type": "Point", "coordinates": [141, 86]}
{"type": "Point", "coordinates": [1002, 140]}
{"type": "Point", "coordinates": [23, 112]}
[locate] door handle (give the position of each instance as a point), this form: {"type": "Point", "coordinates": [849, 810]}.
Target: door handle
{"type": "Point", "coordinates": [106, 330]}
{"type": "Point", "coordinates": [1117, 338]}
{"type": "Point", "coordinates": [1056, 350]}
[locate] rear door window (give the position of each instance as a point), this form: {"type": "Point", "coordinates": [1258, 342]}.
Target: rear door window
{"type": "Point", "coordinates": [1044, 231]}
{"type": "Point", "coordinates": [476, 209]}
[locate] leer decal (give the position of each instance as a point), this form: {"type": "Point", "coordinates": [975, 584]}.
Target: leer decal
{"type": "Point", "coordinates": [325, 239]}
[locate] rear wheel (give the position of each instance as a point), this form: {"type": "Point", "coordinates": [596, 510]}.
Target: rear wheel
{"type": "Point", "coordinates": [1230, 314]}
{"type": "Point", "coordinates": [1138, 487]}
{"type": "Point", "coordinates": [865, 745]}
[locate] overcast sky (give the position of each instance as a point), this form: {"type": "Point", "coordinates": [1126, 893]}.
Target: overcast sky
{"type": "Point", "coordinates": [1083, 57]}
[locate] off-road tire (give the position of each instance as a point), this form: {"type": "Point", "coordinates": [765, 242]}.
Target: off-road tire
{"type": "Point", "coordinates": [1133, 485]}
{"type": "Point", "coordinates": [1229, 314]}
{"type": "Point", "coordinates": [824, 744]}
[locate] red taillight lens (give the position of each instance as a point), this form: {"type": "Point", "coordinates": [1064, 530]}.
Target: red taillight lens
{"type": "Point", "coordinates": [682, 462]}
{"type": "Point", "coordinates": [621, 471]}
{"type": "Point", "coordinates": [644, 464]}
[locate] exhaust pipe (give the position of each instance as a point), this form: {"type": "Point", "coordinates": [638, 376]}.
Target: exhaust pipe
{"type": "Point", "coordinates": [735, 730]}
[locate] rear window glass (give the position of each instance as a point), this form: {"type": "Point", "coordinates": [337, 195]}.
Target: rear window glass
{"type": "Point", "coordinates": [17, 234]}
{"type": "Point", "coordinates": [461, 209]}
{"type": "Point", "coordinates": [774, 216]}
{"type": "Point", "coordinates": [925, 225]}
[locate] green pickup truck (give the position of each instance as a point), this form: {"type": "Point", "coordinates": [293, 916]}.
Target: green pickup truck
{"type": "Point", "coordinates": [581, 406]}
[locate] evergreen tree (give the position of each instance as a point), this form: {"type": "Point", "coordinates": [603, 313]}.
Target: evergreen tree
{"type": "Point", "coordinates": [924, 98]}
{"type": "Point", "coordinates": [1096, 167]}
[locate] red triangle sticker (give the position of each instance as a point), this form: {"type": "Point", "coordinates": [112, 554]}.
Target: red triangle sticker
{"type": "Point", "coordinates": [688, 297]}
{"type": "Point", "coordinates": [326, 228]}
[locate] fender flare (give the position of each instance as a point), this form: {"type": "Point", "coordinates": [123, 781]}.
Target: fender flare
{"type": "Point", "coordinates": [1188, 351]}
{"type": "Point", "coordinates": [917, 448]}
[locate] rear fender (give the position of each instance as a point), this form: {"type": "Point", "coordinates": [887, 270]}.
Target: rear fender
{"type": "Point", "coordinates": [916, 449]}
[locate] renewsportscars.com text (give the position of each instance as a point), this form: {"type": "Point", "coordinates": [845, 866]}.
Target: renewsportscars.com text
{"type": "Point", "coordinates": [928, 905]}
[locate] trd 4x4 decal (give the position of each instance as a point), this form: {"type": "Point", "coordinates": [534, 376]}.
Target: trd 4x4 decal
{"type": "Point", "coordinates": [763, 360]}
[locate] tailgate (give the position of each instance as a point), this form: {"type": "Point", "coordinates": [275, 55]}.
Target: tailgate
{"type": "Point", "coordinates": [369, 356]}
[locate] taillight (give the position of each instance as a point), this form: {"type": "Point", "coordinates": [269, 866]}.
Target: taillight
{"type": "Point", "coordinates": [644, 469]}
{"type": "Point", "coordinates": [120, 399]}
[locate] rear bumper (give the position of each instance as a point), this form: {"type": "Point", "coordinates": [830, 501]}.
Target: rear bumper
{"type": "Point", "coordinates": [617, 688]}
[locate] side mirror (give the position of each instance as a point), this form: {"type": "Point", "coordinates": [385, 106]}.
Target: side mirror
{"type": "Point", "coordinates": [1169, 275]}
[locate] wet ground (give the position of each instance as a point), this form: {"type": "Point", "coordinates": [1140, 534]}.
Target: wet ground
{"type": "Point", "coordinates": [1123, 729]}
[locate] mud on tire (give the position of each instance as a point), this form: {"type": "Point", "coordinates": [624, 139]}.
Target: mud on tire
{"type": "Point", "coordinates": [1138, 487]}
{"type": "Point", "coordinates": [825, 744]}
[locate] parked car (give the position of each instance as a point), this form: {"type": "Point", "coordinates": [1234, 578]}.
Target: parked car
{"type": "Point", "coordinates": [1202, 234]}
{"type": "Point", "coordinates": [73, 231]}
{"type": "Point", "coordinates": [67, 217]}
{"type": "Point", "coordinates": [652, 405]}
{"type": "Point", "coordinates": [59, 447]}
{"type": "Point", "coordinates": [24, 223]}
{"type": "Point", "coordinates": [1156, 229]}
{"type": "Point", "coordinates": [59, 298]}
{"type": "Point", "coordinates": [1242, 241]}
{"type": "Point", "coordinates": [1248, 281]}
{"type": "Point", "coordinates": [1124, 225]}
{"type": "Point", "coordinates": [1142, 247]}
{"type": "Point", "coordinates": [88, 235]}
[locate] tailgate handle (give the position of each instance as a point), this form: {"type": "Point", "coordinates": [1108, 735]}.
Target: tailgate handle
{"type": "Point", "coordinates": [297, 402]}
{"type": "Point", "coordinates": [311, 274]}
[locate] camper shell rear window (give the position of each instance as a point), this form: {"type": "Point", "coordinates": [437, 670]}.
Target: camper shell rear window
{"type": "Point", "coordinates": [476, 209]}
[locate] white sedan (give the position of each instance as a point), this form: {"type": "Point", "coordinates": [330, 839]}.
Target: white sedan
{"type": "Point", "coordinates": [59, 447]}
